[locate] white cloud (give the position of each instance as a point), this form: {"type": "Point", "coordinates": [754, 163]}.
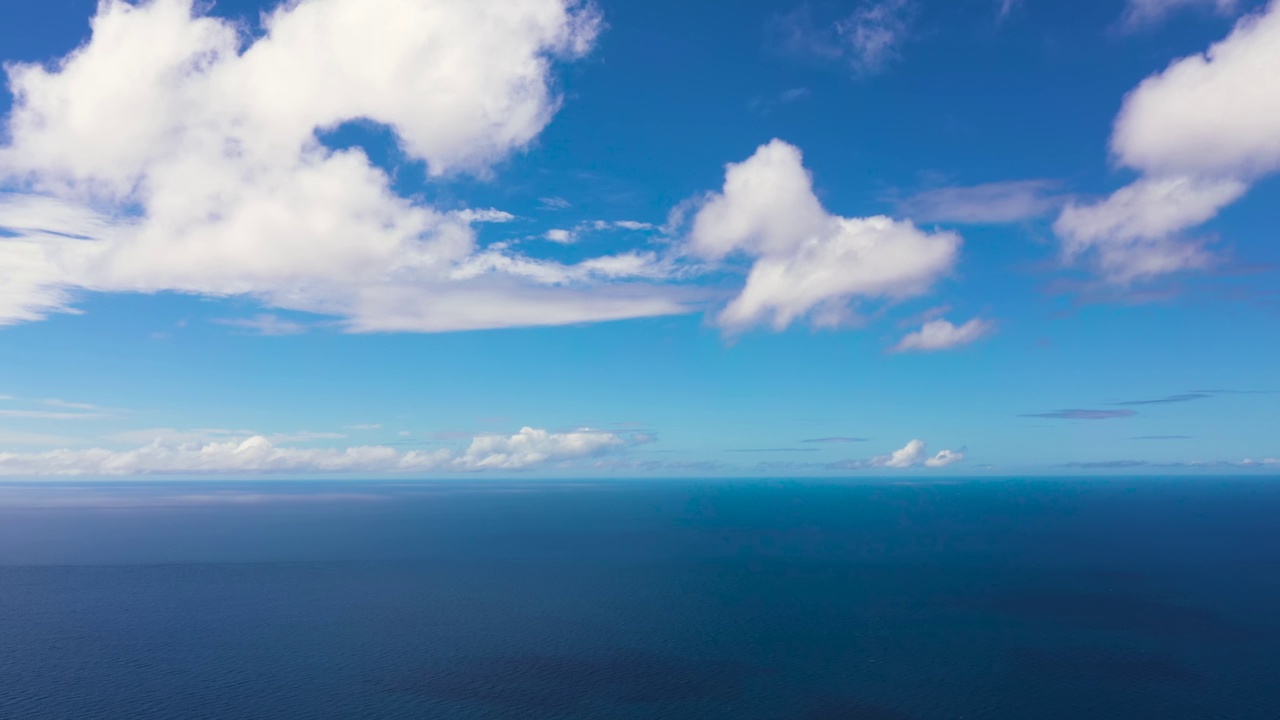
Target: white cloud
{"type": "Point", "coordinates": [1147, 12]}
{"type": "Point", "coordinates": [911, 455]}
{"type": "Point", "coordinates": [806, 260]}
{"type": "Point", "coordinates": [170, 154]}
{"type": "Point", "coordinates": [1200, 133]}
{"type": "Point", "coordinates": [531, 447]}
{"type": "Point", "coordinates": [555, 203]}
{"type": "Point", "coordinates": [989, 203]}
{"type": "Point", "coordinates": [559, 235]}
{"type": "Point", "coordinates": [944, 458]}
{"type": "Point", "coordinates": [941, 335]}
{"type": "Point", "coordinates": [176, 455]}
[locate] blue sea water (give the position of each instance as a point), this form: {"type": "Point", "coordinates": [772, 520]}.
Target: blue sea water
{"type": "Point", "coordinates": [1022, 600]}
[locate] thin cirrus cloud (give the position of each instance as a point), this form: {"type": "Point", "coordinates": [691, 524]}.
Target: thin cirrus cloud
{"type": "Point", "coordinates": [526, 450]}
{"type": "Point", "coordinates": [806, 262]}
{"type": "Point", "coordinates": [1199, 134]}
{"type": "Point", "coordinates": [866, 40]}
{"type": "Point", "coordinates": [987, 204]}
{"type": "Point", "coordinates": [940, 334]}
{"type": "Point", "coordinates": [160, 205]}
{"type": "Point", "coordinates": [1076, 414]}
{"type": "Point", "coordinates": [1247, 463]}
{"type": "Point", "coordinates": [1169, 399]}
{"type": "Point", "coordinates": [1145, 13]}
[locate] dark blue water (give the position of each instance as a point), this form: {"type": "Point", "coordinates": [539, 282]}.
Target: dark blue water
{"type": "Point", "coordinates": [1026, 600]}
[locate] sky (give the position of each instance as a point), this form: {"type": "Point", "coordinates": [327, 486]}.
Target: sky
{"type": "Point", "coordinates": [554, 238]}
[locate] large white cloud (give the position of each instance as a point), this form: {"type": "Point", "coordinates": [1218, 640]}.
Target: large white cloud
{"type": "Point", "coordinates": [806, 261]}
{"type": "Point", "coordinates": [172, 153]}
{"type": "Point", "coordinates": [1200, 133]}
{"type": "Point", "coordinates": [529, 449]}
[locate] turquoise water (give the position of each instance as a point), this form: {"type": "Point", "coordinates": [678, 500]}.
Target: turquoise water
{"type": "Point", "coordinates": [1127, 599]}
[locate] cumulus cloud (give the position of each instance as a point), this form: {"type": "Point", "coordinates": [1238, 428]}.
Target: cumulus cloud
{"type": "Point", "coordinates": [989, 203]}
{"type": "Point", "coordinates": [173, 153]}
{"type": "Point", "coordinates": [941, 335]}
{"type": "Point", "coordinates": [526, 450]}
{"type": "Point", "coordinates": [1200, 133]}
{"type": "Point", "coordinates": [913, 454]}
{"type": "Point", "coordinates": [806, 261]}
{"type": "Point", "coordinates": [1140, 13]}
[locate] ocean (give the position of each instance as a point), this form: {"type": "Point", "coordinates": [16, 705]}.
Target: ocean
{"type": "Point", "coordinates": [1036, 599]}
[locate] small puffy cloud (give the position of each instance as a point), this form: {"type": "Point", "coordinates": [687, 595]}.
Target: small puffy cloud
{"type": "Point", "coordinates": [1141, 13]}
{"type": "Point", "coordinates": [1084, 414]}
{"type": "Point", "coordinates": [1200, 133]}
{"type": "Point", "coordinates": [806, 261]}
{"type": "Point", "coordinates": [180, 454]}
{"type": "Point", "coordinates": [986, 204]}
{"type": "Point", "coordinates": [558, 235]}
{"type": "Point", "coordinates": [942, 335]}
{"type": "Point", "coordinates": [911, 455]}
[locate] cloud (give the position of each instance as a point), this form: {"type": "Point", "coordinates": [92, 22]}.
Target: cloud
{"type": "Point", "coordinates": [49, 415]}
{"type": "Point", "coordinates": [1084, 414]}
{"type": "Point", "coordinates": [911, 455]}
{"type": "Point", "coordinates": [942, 335]}
{"type": "Point", "coordinates": [765, 103]}
{"type": "Point", "coordinates": [1199, 133]}
{"type": "Point", "coordinates": [866, 40]}
{"type": "Point", "coordinates": [1247, 463]}
{"type": "Point", "coordinates": [987, 204]}
{"type": "Point", "coordinates": [875, 32]}
{"type": "Point", "coordinates": [1141, 13]}
{"type": "Point", "coordinates": [531, 447]}
{"type": "Point", "coordinates": [558, 235]}
{"type": "Point", "coordinates": [1006, 7]}
{"type": "Point", "coordinates": [266, 324]}
{"type": "Point", "coordinates": [1184, 397]}
{"type": "Point", "coordinates": [172, 153]}
{"type": "Point", "coordinates": [555, 203]}
{"type": "Point", "coordinates": [806, 261]}
{"type": "Point", "coordinates": [526, 450]}
{"type": "Point", "coordinates": [836, 440]}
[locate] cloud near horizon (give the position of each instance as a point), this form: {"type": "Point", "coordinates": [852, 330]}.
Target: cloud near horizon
{"type": "Point", "coordinates": [526, 450]}
{"type": "Point", "coordinates": [909, 456]}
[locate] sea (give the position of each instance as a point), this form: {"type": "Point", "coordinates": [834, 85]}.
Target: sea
{"type": "Point", "coordinates": [1013, 599]}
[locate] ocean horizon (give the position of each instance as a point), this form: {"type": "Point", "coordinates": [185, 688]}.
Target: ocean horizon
{"type": "Point", "coordinates": [1054, 598]}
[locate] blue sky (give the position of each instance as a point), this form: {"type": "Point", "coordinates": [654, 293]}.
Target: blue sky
{"type": "Point", "coordinates": [421, 238]}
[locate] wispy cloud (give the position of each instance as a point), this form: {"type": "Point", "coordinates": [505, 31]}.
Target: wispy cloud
{"type": "Point", "coordinates": [836, 440]}
{"type": "Point", "coordinates": [266, 324]}
{"type": "Point", "coordinates": [866, 39]}
{"type": "Point", "coordinates": [49, 415]}
{"type": "Point", "coordinates": [1247, 463]}
{"type": "Point", "coordinates": [1184, 397]}
{"type": "Point", "coordinates": [555, 203]}
{"type": "Point", "coordinates": [988, 204]}
{"type": "Point", "coordinates": [1076, 414]}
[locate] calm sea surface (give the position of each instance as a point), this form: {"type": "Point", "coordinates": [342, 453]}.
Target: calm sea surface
{"type": "Point", "coordinates": [1023, 600]}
